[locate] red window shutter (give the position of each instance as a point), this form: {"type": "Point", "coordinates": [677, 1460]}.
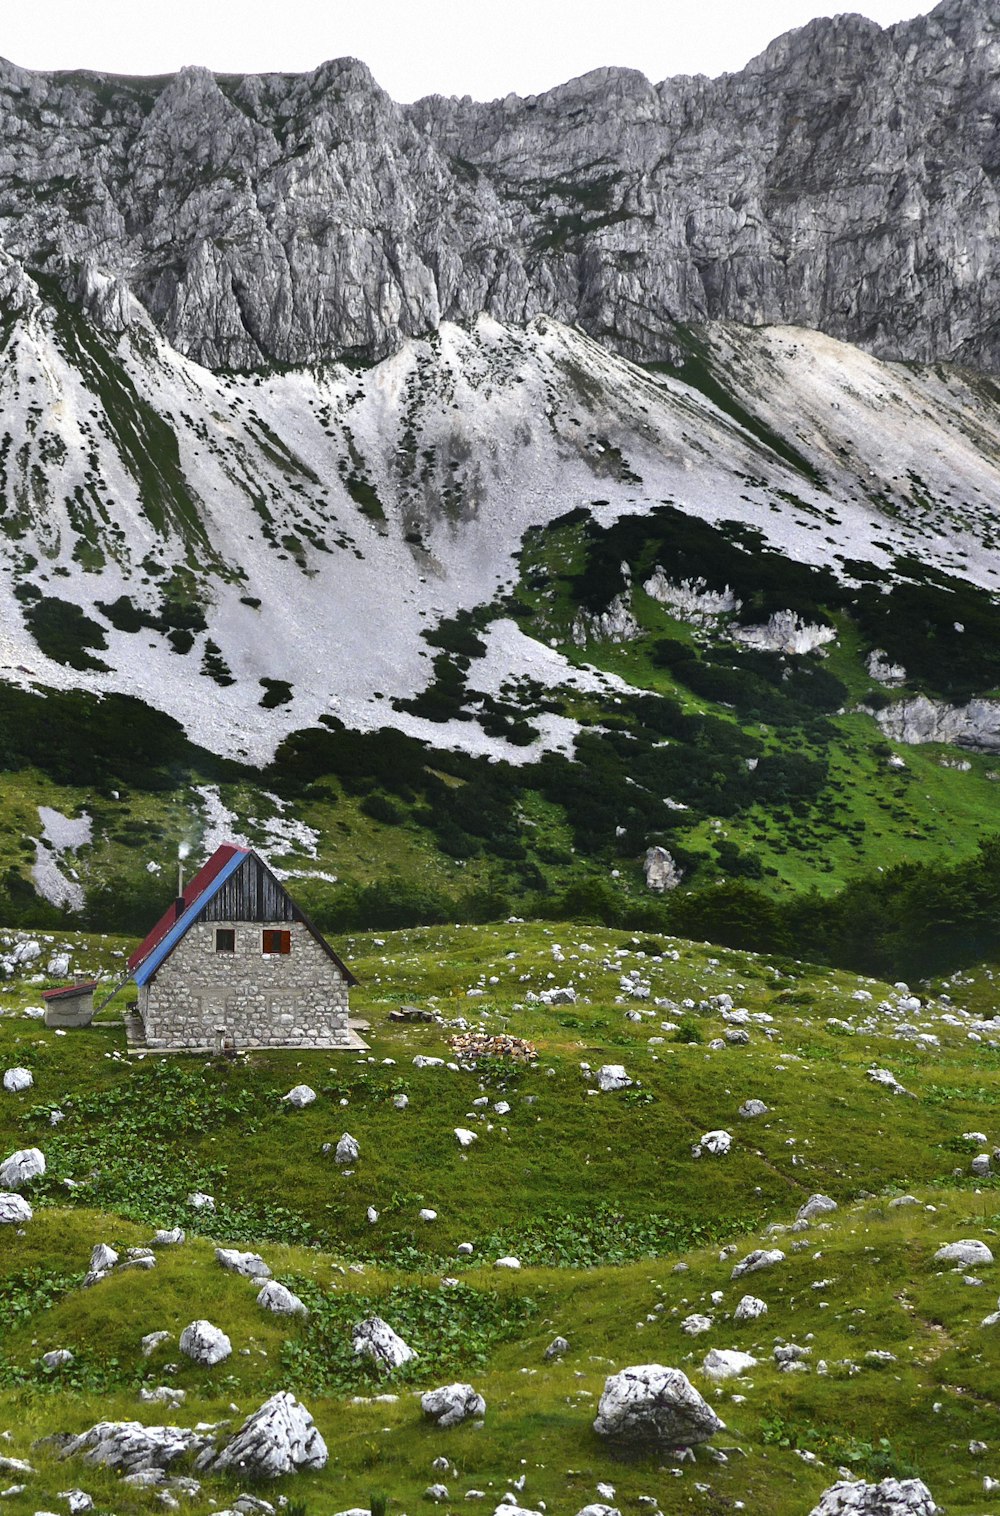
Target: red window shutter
{"type": "Point", "coordinates": [286, 942]}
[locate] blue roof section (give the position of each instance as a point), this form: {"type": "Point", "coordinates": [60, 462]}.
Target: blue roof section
{"type": "Point", "coordinates": [166, 945]}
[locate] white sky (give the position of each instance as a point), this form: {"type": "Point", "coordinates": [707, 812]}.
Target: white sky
{"type": "Point", "coordinates": [482, 48]}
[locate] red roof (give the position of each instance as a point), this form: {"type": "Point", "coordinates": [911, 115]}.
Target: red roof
{"type": "Point", "coordinates": [84, 987]}
{"type": "Point", "coordinates": [192, 890]}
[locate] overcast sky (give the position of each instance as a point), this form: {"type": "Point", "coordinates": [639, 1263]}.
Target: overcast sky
{"type": "Point", "coordinates": [482, 48]}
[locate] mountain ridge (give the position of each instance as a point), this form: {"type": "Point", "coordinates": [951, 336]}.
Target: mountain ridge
{"type": "Point", "coordinates": [291, 218]}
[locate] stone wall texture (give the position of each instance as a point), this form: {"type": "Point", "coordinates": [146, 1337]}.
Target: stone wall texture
{"type": "Point", "coordinates": [295, 999]}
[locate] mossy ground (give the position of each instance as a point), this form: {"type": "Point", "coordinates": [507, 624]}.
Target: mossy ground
{"type": "Point", "coordinates": [598, 1195]}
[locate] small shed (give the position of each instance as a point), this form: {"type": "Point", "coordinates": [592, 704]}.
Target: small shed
{"type": "Point", "coordinates": [235, 963]}
{"type": "Point", "coordinates": [72, 1005]}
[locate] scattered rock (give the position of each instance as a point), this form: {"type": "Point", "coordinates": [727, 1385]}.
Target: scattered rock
{"type": "Point", "coordinates": [661, 871]}
{"type": "Point", "coordinates": [348, 1149]}
{"type": "Point", "coordinates": [816, 1205]}
{"type": "Point", "coordinates": [14, 1210]}
{"type": "Point", "coordinates": [557, 1348]}
{"type": "Point", "coordinates": [204, 1343]}
{"type": "Point", "coordinates": [465, 1137]}
{"type": "Point", "coordinates": [250, 1265]}
{"type": "Point", "coordinates": [452, 1403]}
{"type": "Point", "coordinates": [649, 1402]}
{"type": "Point", "coordinates": [131, 1448]}
{"type": "Point", "coordinates": [893, 1497]}
{"type": "Point", "coordinates": [760, 1258]}
{"type": "Point", "coordinates": [695, 1325]}
{"type": "Point", "coordinates": [507, 1263]}
{"type": "Point", "coordinates": [727, 1363]}
{"type": "Point", "coordinates": [199, 1201]}
{"type": "Point", "coordinates": [751, 1108]}
{"type": "Point", "coordinates": [16, 1080]}
{"type": "Point", "coordinates": [301, 1095]}
{"type": "Point", "coordinates": [967, 1251]}
{"type": "Point", "coordinates": [612, 1076]}
{"type": "Point", "coordinates": [21, 1168]}
{"type": "Point", "coordinates": [716, 1144]}
{"type": "Point", "coordinates": [279, 1438]}
{"type": "Point", "coordinates": [749, 1308]}
{"type": "Point", "coordinates": [152, 1341]}
{"type": "Point", "coordinates": [57, 1358]}
{"type": "Point", "coordinates": [375, 1339]}
{"type": "Point", "coordinates": [168, 1238]}
{"type": "Point", "coordinates": [281, 1300]}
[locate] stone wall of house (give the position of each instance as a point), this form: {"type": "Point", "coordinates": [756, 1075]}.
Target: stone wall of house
{"type": "Point", "coordinates": [295, 999]}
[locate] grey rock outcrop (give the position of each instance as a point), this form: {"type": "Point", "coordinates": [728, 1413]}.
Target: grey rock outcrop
{"type": "Point", "coordinates": [975, 726]}
{"type": "Point", "coordinates": [451, 1404]}
{"type": "Point", "coordinates": [279, 1438]}
{"type": "Point", "coordinates": [131, 1448]}
{"type": "Point", "coordinates": [288, 217]}
{"type": "Point", "coordinates": [661, 872]}
{"type": "Point", "coordinates": [650, 1402]}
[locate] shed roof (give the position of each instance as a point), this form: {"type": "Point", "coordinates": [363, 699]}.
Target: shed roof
{"type": "Point", "coordinates": [68, 991]}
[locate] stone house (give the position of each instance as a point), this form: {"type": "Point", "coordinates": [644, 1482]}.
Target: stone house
{"type": "Point", "coordinates": [235, 963]}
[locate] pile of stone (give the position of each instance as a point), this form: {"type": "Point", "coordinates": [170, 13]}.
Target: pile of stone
{"type": "Point", "coordinates": [471, 1047]}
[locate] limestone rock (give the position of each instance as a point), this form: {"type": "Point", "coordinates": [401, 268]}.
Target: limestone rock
{"type": "Point", "coordinates": [16, 1080]}
{"type": "Point", "coordinates": [749, 1308]}
{"type": "Point", "coordinates": [465, 1137]}
{"type": "Point", "coordinates": [760, 1258]}
{"type": "Point", "coordinates": [375, 1339]}
{"type": "Point", "coordinates": [716, 1144]}
{"type": "Point", "coordinates": [167, 1237]}
{"type": "Point", "coordinates": [968, 1252]}
{"type": "Point", "coordinates": [131, 1448]}
{"type": "Point", "coordinates": [661, 872]}
{"type": "Point", "coordinates": [102, 1258]}
{"type": "Point", "coordinates": [652, 1403]}
{"type": "Point", "coordinates": [816, 1205]}
{"type": "Point", "coordinates": [281, 1300]}
{"type": "Point", "coordinates": [451, 1404]}
{"type": "Point", "coordinates": [727, 1363]}
{"type": "Point", "coordinates": [204, 1343]}
{"type": "Point", "coordinates": [751, 1108]}
{"type": "Point", "coordinates": [279, 1438]}
{"type": "Point", "coordinates": [892, 1497]}
{"type": "Point", "coordinates": [348, 1149]}
{"type": "Point", "coordinates": [301, 1095]}
{"type": "Point", "coordinates": [21, 1168]}
{"type": "Point", "coordinates": [250, 1265]}
{"type": "Point", "coordinates": [612, 1076]}
{"type": "Point", "coordinates": [199, 1201]}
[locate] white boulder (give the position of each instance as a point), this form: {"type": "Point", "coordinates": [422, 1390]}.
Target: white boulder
{"type": "Point", "coordinates": [250, 1265]}
{"type": "Point", "coordinates": [760, 1258]}
{"type": "Point", "coordinates": [451, 1404]}
{"type": "Point", "coordinates": [281, 1300]}
{"type": "Point", "coordinates": [279, 1438]}
{"type": "Point", "coordinates": [649, 1402]}
{"type": "Point", "coordinates": [751, 1108]}
{"type": "Point", "coordinates": [727, 1363]}
{"type": "Point", "coordinates": [15, 1080]}
{"type": "Point", "coordinates": [348, 1149]}
{"type": "Point", "coordinates": [892, 1497]}
{"type": "Point", "coordinates": [21, 1168]}
{"type": "Point", "coordinates": [716, 1144]}
{"type": "Point", "coordinates": [816, 1205]}
{"type": "Point", "coordinates": [375, 1339]}
{"type": "Point", "coordinates": [967, 1251]}
{"type": "Point", "coordinates": [465, 1137]}
{"type": "Point", "coordinates": [749, 1308]}
{"type": "Point", "coordinates": [612, 1076]}
{"type": "Point", "coordinates": [300, 1095]}
{"type": "Point", "coordinates": [204, 1343]}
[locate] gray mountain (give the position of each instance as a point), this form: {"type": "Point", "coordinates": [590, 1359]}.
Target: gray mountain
{"type": "Point", "coordinates": [845, 180]}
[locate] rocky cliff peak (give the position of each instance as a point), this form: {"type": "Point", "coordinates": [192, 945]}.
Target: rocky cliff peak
{"type": "Point", "coordinates": [844, 180]}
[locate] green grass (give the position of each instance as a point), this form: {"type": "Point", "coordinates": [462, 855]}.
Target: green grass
{"type": "Point", "coordinates": [599, 1196]}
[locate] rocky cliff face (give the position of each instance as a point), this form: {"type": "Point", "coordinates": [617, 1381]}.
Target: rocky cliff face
{"type": "Point", "coordinates": [845, 180]}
